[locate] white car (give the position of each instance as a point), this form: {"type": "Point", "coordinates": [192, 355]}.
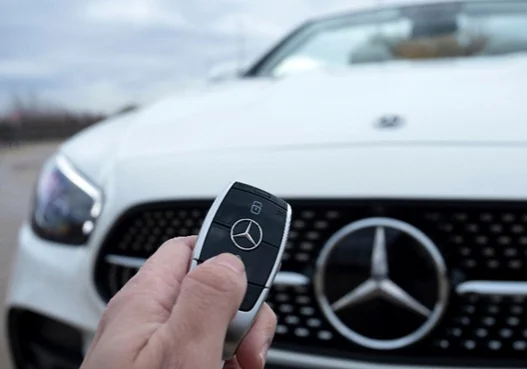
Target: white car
{"type": "Point", "coordinates": [398, 134]}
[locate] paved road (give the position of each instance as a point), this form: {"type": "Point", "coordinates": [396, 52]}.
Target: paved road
{"type": "Point", "coordinates": [19, 168]}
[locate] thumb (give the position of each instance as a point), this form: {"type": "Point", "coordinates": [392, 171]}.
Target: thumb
{"type": "Point", "coordinates": [209, 298]}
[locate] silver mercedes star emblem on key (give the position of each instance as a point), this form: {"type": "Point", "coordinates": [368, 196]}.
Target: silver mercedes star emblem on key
{"type": "Point", "coordinates": [246, 234]}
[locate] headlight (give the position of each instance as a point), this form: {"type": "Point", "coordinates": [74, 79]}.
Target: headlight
{"type": "Point", "coordinates": [65, 204]}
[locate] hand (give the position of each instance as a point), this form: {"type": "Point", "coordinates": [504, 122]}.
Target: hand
{"type": "Point", "coordinates": [168, 318]}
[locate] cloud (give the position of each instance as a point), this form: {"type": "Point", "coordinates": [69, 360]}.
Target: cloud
{"type": "Point", "coordinates": [24, 68]}
{"type": "Point", "coordinates": [99, 54]}
{"type": "Point", "coordinates": [249, 24]}
{"type": "Point", "coordinates": [134, 13]}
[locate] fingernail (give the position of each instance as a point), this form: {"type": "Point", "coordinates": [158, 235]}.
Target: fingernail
{"type": "Point", "coordinates": [230, 261]}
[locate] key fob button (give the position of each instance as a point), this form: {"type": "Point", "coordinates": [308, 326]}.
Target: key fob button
{"type": "Point", "coordinates": [251, 296]}
{"type": "Point", "coordinates": [244, 207]}
{"type": "Point", "coordinates": [257, 191]}
{"type": "Point", "coordinates": [258, 262]}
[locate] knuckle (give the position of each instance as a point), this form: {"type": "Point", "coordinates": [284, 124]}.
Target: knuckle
{"type": "Point", "coordinates": [119, 301]}
{"type": "Point", "coordinates": [271, 320]}
{"type": "Point", "coordinates": [176, 241]}
{"type": "Point", "coordinates": [114, 303]}
{"type": "Point", "coordinates": [109, 312]}
{"type": "Point", "coordinates": [163, 251]}
{"type": "Point", "coordinates": [192, 350]}
{"type": "Point", "coordinates": [181, 241]}
{"type": "Point", "coordinates": [193, 332]}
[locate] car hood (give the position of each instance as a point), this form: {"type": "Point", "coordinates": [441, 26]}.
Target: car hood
{"type": "Point", "coordinates": [449, 102]}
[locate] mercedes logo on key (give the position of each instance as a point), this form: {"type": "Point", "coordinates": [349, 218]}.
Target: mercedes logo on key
{"type": "Point", "coordinates": [246, 234]}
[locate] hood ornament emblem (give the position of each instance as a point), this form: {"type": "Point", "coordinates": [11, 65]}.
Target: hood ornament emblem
{"type": "Point", "coordinates": [389, 121]}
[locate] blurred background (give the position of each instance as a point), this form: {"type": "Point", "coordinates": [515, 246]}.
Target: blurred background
{"type": "Point", "coordinates": [88, 59]}
{"type": "Point", "coordinates": [68, 65]}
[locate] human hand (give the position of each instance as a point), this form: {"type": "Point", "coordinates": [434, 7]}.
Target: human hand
{"type": "Point", "coordinates": [168, 318]}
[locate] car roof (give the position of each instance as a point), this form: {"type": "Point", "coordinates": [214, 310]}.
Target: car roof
{"type": "Point", "coordinates": [372, 5]}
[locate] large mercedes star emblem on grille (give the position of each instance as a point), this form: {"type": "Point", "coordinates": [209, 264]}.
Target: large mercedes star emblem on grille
{"type": "Point", "coordinates": [246, 234]}
{"type": "Point", "coordinates": [381, 283]}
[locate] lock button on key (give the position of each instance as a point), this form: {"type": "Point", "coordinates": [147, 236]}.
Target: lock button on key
{"type": "Point", "coordinates": [242, 208]}
{"type": "Point", "coordinates": [256, 207]}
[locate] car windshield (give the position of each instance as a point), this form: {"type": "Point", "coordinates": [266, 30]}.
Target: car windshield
{"type": "Point", "coordinates": [408, 33]}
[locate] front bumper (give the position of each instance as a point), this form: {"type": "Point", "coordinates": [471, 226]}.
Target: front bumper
{"type": "Point", "coordinates": [48, 294]}
{"type": "Point", "coordinates": [52, 312]}
{"type": "Point", "coordinates": [51, 315]}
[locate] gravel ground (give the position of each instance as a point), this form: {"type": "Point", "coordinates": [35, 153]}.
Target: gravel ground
{"type": "Point", "coordinates": [19, 168]}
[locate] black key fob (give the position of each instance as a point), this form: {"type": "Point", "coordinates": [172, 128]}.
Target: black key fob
{"type": "Point", "coordinates": [254, 225]}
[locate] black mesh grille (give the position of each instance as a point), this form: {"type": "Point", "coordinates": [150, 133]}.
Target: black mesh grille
{"type": "Point", "coordinates": [475, 328]}
{"type": "Point", "coordinates": [479, 241]}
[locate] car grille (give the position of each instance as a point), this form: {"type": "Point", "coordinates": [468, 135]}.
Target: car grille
{"type": "Point", "coordinates": [478, 241]}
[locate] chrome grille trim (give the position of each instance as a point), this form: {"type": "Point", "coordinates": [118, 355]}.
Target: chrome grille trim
{"type": "Point", "coordinates": [309, 361]}
{"type": "Point", "coordinates": [291, 279]}
{"type": "Point", "coordinates": [493, 288]}
{"type": "Point", "coordinates": [282, 278]}
{"type": "Point", "coordinates": [125, 261]}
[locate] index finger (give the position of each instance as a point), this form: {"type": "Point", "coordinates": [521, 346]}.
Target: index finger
{"type": "Point", "coordinates": [151, 294]}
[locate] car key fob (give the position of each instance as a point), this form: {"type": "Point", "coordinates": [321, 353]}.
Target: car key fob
{"type": "Point", "coordinates": [254, 225]}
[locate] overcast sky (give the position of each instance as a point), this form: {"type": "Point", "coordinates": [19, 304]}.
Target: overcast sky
{"type": "Point", "coordinates": [102, 54]}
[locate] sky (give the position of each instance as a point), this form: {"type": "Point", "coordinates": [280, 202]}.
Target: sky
{"type": "Point", "coordinates": [99, 55]}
